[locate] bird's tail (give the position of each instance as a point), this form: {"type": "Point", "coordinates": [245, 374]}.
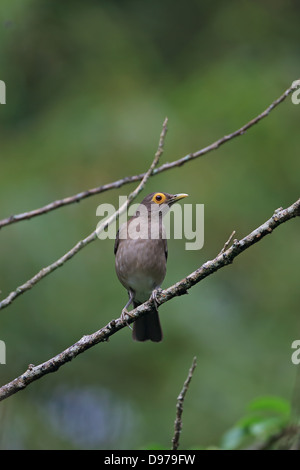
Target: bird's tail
{"type": "Point", "coordinates": [147, 327]}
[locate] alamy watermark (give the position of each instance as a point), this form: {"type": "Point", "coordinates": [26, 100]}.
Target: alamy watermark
{"type": "Point", "coordinates": [2, 101]}
{"type": "Point", "coordinates": [296, 93]}
{"type": "Point", "coordinates": [186, 221]}
{"type": "Point", "coordinates": [2, 352]}
{"type": "Point", "coordinates": [296, 354]}
{"type": "Point", "coordinates": [2, 92]}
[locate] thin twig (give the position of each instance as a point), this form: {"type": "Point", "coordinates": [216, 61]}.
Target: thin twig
{"type": "Point", "coordinates": [179, 406]}
{"type": "Point", "coordinates": [227, 243]}
{"type": "Point", "coordinates": [35, 372]}
{"type": "Point", "coordinates": [93, 236]}
{"type": "Point", "coordinates": [166, 166]}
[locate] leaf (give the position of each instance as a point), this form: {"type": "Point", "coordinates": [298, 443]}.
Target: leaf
{"type": "Point", "coordinates": [271, 403]}
{"type": "Point", "coordinates": [266, 427]}
{"type": "Point", "coordinates": [233, 438]}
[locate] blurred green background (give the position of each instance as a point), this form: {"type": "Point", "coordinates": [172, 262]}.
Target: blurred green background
{"type": "Point", "coordinates": [88, 87]}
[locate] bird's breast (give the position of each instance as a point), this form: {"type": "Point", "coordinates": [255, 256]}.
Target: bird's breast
{"type": "Point", "coordinates": [141, 265]}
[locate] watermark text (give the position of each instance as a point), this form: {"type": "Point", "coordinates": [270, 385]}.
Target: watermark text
{"type": "Point", "coordinates": [2, 92]}
{"type": "Point", "coordinates": [181, 221]}
{"type": "Point", "coordinates": [2, 352]}
{"type": "Point", "coordinates": [296, 93]}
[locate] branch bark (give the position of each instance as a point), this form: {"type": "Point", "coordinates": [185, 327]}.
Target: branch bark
{"type": "Point", "coordinates": [166, 166]}
{"type": "Point", "coordinates": [223, 259]}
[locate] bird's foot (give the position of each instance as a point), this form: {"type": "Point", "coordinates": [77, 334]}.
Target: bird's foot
{"type": "Point", "coordinates": [154, 296]}
{"type": "Point", "coordinates": [124, 314]}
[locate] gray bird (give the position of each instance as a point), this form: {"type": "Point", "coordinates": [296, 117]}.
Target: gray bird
{"type": "Point", "coordinates": [141, 259]}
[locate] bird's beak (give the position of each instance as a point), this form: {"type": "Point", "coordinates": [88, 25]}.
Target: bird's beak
{"type": "Point", "coordinates": [176, 198]}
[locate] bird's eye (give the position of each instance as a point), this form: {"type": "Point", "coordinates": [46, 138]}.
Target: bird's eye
{"type": "Point", "coordinates": [159, 198]}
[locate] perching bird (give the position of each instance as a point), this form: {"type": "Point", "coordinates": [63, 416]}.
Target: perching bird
{"type": "Point", "coordinates": [141, 258]}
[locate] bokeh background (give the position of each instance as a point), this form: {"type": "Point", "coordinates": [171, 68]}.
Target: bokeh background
{"type": "Point", "coordinates": [88, 87]}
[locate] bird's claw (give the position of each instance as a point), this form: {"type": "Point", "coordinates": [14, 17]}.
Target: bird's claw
{"type": "Point", "coordinates": [154, 296]}
{"type": "Point", "coordinates": [124, 314]}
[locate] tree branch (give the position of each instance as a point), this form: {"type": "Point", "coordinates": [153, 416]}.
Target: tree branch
{"type": "Point", "coordinates": [226, 245]}
{"type": "Point", "coordinates": [223, 259]}
{"type": "Point", "coordinates": [179, 406]}
{"type": "Point", "coordinates": [93, 236]}
{"type": "Point", "coordinates": [166, 166]}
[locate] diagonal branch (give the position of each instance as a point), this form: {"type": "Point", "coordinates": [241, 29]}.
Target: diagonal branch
{"type": "Point", "coordinates": [166, 166]}
{"type": "Point", "coordinates": [86, 342]}
{"type": "Point", "coordinates": [93, 236]}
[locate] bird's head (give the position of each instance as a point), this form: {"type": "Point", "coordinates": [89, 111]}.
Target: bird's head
{"type": "Point", "coordinates": [161, 202]}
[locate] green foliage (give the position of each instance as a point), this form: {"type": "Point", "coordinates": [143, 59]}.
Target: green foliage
{"type": "Point", "coordinates": [88, 87]}
{"type": "Point", "coordinates": [265, 417]}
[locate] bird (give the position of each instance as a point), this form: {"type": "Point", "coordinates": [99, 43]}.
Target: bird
{"type": "Point", "coordinates": [141, 254]}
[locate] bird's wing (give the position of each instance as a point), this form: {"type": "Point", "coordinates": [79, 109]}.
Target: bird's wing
{"type": "Point", "coordinates": [116, 242]}
{"type": "Point", "coordinates": [166, 248]}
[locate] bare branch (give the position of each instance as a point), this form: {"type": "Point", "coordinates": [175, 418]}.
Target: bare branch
{"type": "Point", "coordinates": [93, 236]}
{"type": "Point", "coordinates": [179, 406]}
{"type": "Point", "coordinates": [223, 259]}
{"type": "Point", "coordinates": [227, 243]}
{"type": "Point", "coordinates": [166, 166]}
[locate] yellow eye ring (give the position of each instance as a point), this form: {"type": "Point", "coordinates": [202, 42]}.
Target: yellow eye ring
{"type": "Point", "coordinates": [159, 198]}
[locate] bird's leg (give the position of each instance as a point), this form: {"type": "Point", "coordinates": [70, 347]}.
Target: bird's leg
{"type": "Point", "coordinates": [154, 295]}
{"type": "Point", "coordinates": [124, 310]}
